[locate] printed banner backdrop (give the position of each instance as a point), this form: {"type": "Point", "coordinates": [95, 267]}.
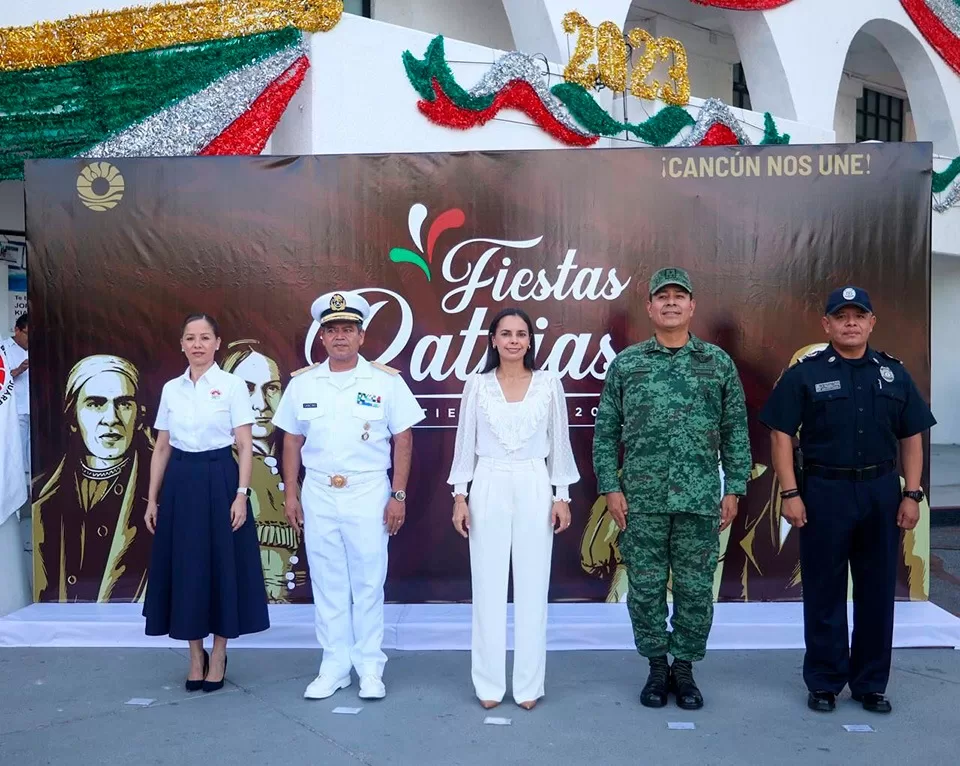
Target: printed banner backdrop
{"type": "Point", "coordinates": [122, 250]}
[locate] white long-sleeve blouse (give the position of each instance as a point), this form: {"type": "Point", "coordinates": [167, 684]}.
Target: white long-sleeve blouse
{"type": "Point", "coordinates": [536, 427]}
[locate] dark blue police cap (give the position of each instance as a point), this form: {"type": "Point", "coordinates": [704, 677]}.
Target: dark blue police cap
{"type": "Point", "coordinates": [848, 296]}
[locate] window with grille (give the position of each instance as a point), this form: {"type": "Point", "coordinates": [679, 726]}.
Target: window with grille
{"type": "Point", "coordinates": [741, 95]}
{"type": "Point", "coordinates": [879, 117]}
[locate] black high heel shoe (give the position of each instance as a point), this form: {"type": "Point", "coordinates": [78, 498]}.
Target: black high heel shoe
{"type": "Point", "coordinates": [212, 686]}
{"type": "Point", "coordinates": [195, 686]}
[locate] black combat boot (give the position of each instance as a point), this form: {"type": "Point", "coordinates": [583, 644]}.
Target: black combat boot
{"type": "Point", "coordinates": [654, 692]}
{"type": "Point", "coordinates": [684, 687]}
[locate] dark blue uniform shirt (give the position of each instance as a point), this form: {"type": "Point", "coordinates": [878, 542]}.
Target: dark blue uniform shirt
{"type": "Point", "coordinates": [851, 413]}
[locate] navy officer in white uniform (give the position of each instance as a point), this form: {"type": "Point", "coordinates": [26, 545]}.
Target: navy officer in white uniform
{"type": "Point", "coordinates": [339, 419]}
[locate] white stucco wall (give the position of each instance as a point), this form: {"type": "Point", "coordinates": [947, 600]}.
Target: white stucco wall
{"type": "Point", "coordinates": [945, 319]}
{"type": "Point", "coordinates": [479, 21]}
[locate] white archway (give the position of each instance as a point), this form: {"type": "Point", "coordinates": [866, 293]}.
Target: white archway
{"type": "Point", "coordinates": [929, 103]}
{"type": "Point", "coordinates": [537, 25]}
{"type": "Point", "coordinates": [763, 64]}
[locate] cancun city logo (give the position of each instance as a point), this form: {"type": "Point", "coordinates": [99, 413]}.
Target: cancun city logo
{"type": "Point", "coordinates": [100, 186]}
{"type": "Point", "coordinates": [449, 219]}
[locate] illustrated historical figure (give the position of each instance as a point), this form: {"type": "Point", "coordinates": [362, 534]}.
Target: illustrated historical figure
{"type": "Point", "coordinates": [91, 543]}
{"type": "Point", "coordinates": [279, 542]}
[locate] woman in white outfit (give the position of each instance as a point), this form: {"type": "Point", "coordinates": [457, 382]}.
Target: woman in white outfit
{"type": "Point", "coordinates": [513, 443]}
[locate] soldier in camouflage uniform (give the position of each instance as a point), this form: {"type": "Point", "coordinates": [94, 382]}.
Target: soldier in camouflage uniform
{"type": "Point", "coordinates": [677, 405]}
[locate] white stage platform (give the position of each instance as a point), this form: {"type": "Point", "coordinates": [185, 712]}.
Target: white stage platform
{"type": "Point", "coordinates": [447, 626]}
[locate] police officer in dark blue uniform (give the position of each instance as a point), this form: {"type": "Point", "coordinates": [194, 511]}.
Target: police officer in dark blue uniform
{"type": "Point", "coordinates": [852, 405]}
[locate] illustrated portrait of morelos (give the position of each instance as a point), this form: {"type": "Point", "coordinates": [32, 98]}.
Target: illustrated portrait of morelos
{"type": "Point", "coordinates": [283, 571]}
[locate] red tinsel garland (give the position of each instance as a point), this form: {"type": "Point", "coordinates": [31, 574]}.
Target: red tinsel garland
{"type": "Point", "coordinates": [517, 94]}
{"type": "Point", "coordinates": [719, 135]}
{"type": "Point", "coordinates": [248, 134]}
{"type": "Point", "coordinates": [944, 40]}
{"type": "Point", "coordinates": [744, 5]}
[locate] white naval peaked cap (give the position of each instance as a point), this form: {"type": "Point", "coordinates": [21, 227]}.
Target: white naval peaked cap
{"type": "Point", "coordinates": [340, 306]}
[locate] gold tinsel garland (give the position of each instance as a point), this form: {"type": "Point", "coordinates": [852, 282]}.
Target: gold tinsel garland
{"type": "Point", "coordinates": [81, 38]}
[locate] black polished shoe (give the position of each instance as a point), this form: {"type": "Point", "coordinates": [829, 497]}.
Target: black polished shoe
{"type": "Point", "coordinates": [195, 686]}
{"type": "Point", "coordinates": [874, 702]}
{"type": "Point", "coordinates": [212, 686]}
{"type": "Point", "coordinates": [654, 692]}
{"type": "Point", "coordinates": [822, 702]}
{"type": "Point", "coordinates": [684, 687]}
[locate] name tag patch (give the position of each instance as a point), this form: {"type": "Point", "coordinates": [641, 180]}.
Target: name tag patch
{"type": "Point", "coordinates": [368, 400]}
{"type": "Point", "coordinates": [832, 385]}
{"type": "Point", "coordinates": [309, 405]}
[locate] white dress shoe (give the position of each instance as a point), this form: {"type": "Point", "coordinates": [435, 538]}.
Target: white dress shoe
{"type": "Point", "coordinates": [372, 688]}
{"type": "Point", "coordinates": [324, 686]}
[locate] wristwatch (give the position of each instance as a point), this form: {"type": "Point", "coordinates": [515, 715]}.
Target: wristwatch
{"type": "Point", "coordinates": [243, 491]}
{"type": "Point", "coordinates": [399, 495]}
{"type": "Point", "coordinates": [914, 494]}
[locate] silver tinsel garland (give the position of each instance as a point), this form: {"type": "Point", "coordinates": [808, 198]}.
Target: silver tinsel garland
{"type": "Point", "coordinates": [519, 66]}
{"type": "Point", "coordinates": [712, 112]}
{"type": "Point", "coordinates": [187, 127]}
{"type": "Point", "coordinates": [951, 198]}
{"type": "Point", "coordinates": [948, 11]}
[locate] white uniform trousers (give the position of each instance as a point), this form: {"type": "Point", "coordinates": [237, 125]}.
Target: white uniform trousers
{"type": "Point", "coordinates": [25, 443]}
{"type": "Point", "coordinates": [510, 504]}
{"type": "Point", "coordinates": [346, 543]}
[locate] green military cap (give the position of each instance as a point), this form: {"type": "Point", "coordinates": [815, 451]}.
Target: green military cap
{"type": "Point", "coordinates": [670, 276]}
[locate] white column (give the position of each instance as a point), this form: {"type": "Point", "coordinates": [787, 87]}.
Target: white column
{"type": "Point", "coordinates": [537, 25]}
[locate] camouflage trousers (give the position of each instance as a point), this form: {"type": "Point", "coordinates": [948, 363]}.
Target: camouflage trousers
{"type": "Point", "coordinates": [653, 546]}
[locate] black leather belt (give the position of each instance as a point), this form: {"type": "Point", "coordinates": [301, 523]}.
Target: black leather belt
{"type": "Point", "coordinates": [850, 474]}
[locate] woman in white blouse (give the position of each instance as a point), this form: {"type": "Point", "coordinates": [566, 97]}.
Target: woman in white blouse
{"type": "Point", "coordinates": [513, 443]}
{"type": "Point", "coordinates": [205, 575]}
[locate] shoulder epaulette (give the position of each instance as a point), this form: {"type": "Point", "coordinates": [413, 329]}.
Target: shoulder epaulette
{"type": "Point", "coordinates": [892, 358]}
{"type": "Point", "coordinates": [811, 355]}
{"type": "Point", "coordinates": [304, 369]}
{"type": "Point", "coordinates": [388, 370]}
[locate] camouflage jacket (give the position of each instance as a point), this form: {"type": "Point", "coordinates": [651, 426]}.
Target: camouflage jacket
{"type": "Point", "coordinates": [678, 416]}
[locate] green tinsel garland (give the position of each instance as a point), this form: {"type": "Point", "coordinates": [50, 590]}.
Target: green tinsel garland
{"type": "Point", "coordinates": [434, 66]}
{"type": "Point", "coordinates": [61, 111]}
{"type": "Point", "coordinates": [658, 130]}
{"type": "Point", "coordinates": [943, 179]}
{"type": "Point", "coordinates": [771, 135]}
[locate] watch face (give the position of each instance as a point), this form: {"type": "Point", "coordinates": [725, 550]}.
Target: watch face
{"type": "Point", "coordinates": [400, 495]}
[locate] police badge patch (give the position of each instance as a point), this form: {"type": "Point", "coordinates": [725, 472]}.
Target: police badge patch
{"type": "Point", "coordinates": [887, 374]}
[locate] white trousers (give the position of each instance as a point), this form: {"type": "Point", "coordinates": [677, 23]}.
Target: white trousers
{"type": "Point", "coordinates": [15, 591]}
{"type": "Point", "coordinates": [25, 443]}
{"type": "Point", "coordinates": [510, 504]}
{"type": "Point", "coordinates": [346, 543]}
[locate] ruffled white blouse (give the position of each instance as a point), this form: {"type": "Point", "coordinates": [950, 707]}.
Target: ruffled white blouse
{"type": "Point", "coordinates": [535, 428]}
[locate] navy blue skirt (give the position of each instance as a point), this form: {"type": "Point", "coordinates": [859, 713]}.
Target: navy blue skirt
{"type": "Point", "coordinates": [204, 578]}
